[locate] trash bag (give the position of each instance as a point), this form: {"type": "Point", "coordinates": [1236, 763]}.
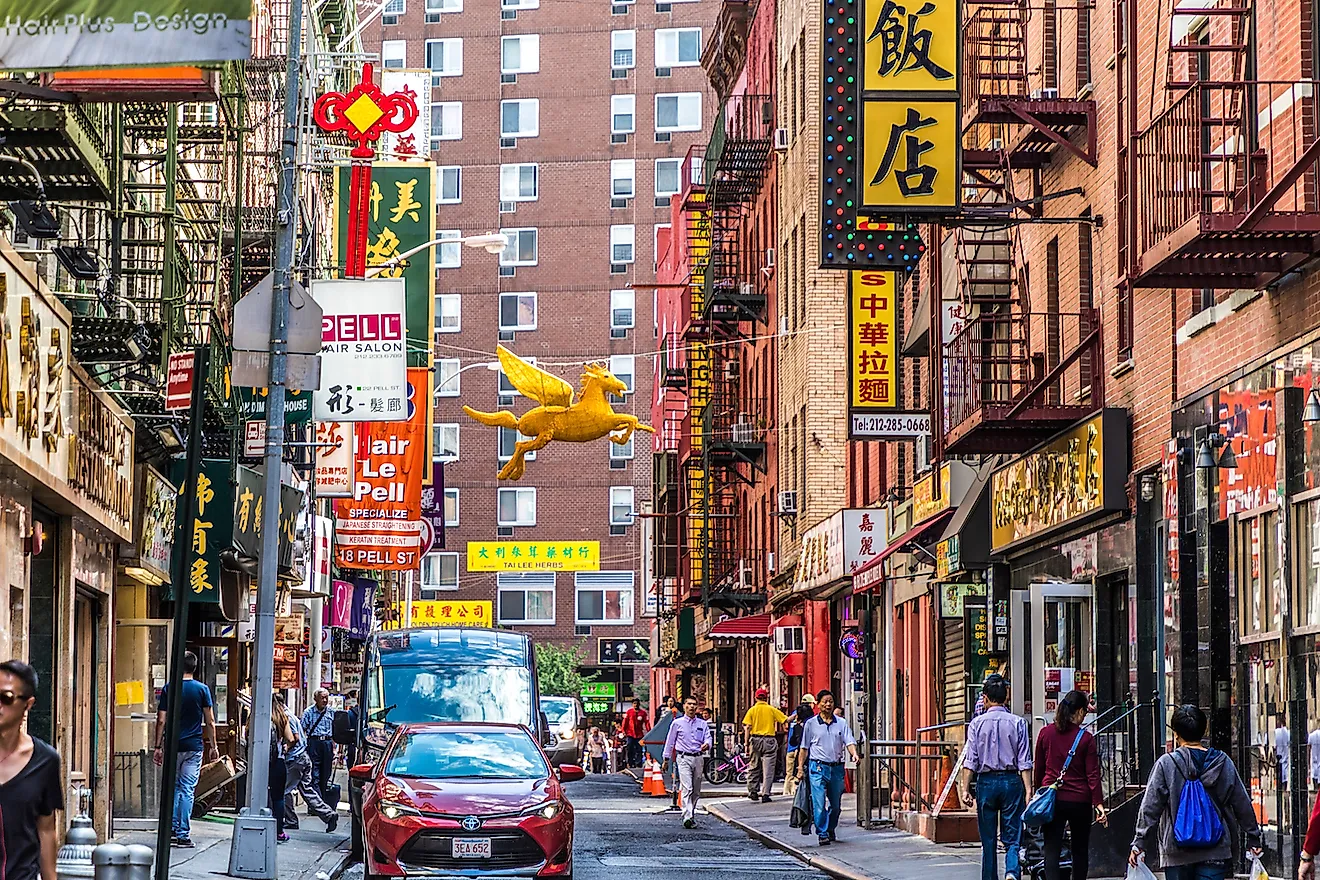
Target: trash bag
{"type": "Point", "coordinates": [1139, 871]}
{"type": "Point", "coordinates": [800, 816]}
{"type": "Point", "coordinates": [1257, 871]}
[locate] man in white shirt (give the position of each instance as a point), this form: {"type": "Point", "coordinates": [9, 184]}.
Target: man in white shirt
{"type": "Point", "coordinates": [826, 740]}
{"type": "Point", "coordinates": [1283, 750]}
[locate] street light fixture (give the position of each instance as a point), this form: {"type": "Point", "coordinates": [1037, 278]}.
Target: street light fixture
{"type": "Point", "coordinates": [1311, 412]}
{"type": "Point", "coordinates": [490, 242]}
{"type": "Point", "coordinates": [1208, 459]}
{"type": "Point", "coordinates": [493, 366]}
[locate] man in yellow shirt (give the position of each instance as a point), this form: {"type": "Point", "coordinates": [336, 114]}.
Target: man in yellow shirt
{"type": "Point", "coordinates": [760, 726]}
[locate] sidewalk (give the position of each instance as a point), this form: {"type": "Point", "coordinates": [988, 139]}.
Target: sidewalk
{"type": "Point", "coordinates": [858, 855]}
{"type": "Point", "coordinates": [309, 854]}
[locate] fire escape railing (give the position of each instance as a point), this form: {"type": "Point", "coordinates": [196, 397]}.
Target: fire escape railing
{"type": "Point", "coordinates": [994, 54]}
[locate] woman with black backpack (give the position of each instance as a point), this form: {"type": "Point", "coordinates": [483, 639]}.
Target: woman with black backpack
{"type": "Point", "coordinates": [1197, 802]}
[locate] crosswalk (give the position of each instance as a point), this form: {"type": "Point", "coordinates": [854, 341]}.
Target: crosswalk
{"type": "Point", "coordinates": [675, 863]}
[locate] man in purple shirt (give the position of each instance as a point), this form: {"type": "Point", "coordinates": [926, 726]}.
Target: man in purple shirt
{"type": "Point", "coordinates": [687, 745]}
{"type": "Point", "coordinates": [998, 752]}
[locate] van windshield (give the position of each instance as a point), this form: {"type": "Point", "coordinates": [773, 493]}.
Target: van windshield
{"type": "Point", "coordinates": [558, 710]}
{"type": "Point", "coordinates": [408, 694]}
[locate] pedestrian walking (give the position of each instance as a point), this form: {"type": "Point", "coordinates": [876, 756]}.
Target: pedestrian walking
{"type": "Point", "coordinates": [998, 752]}
{"type": "Point", "coordinates": [825, 740]}
{"type": "Point", "coordinates": [196, 729]}
{"type": "Point", "coordinates": [800, 718]}
{"type": "Point", "coordinates": [635, 725]}
{"type": "Point", "coordinates": [761, 726]}
{"type": "Point", "coordinates": [281, 738]}
{"type": "Point", "coordinates": [1282, 750]}
{"type": "Point", "coordinates": [1079, 798]}
{"type": "Point", "coordinates": [687, 745]}
{"type": "Point", "coordinates": [318, 724]}
{"type": "Point", "coordinates": [1313, 749]}
{"type": "Point", "coordinates": [298, 766]}
{"type": "Point", "coordinates": [596, 746]}
{"type": "Point", "coordinates": [1188, 775]}
{"type": "Point", "coordinates": [350, 750]}
{"type": "Point", "coordinates": [31, 789]}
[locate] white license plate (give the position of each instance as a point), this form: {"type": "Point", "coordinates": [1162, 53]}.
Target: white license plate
{"type": "Point", "coordinates": [471, 847]}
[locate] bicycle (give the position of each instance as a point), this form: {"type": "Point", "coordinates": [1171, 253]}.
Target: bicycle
{"type": "Point", "coordinates": [733, 767]}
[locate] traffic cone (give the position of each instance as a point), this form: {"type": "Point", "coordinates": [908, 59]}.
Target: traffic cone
{"type": "Point", "coordinates": [648, 777]}
{"type": "Point", "coordinates": [1258, 800]}
{"type": "Point", "coordinates": [951, 802]}
{"type": "Point", "coordinates": [658, 789]}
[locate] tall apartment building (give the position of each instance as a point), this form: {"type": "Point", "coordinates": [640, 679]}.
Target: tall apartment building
{"type": "Point", "coordinates": [563, 126]}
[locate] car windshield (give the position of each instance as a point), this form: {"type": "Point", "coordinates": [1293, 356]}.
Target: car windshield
{"type": "Point", "coordinates": [411, 694]}
{"type": "Point", "coordinates": [557, 711]}
{"type": "Point", "coordinates": [466, 754]}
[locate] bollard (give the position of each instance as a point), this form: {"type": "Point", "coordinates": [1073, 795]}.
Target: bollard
{"type": "Point", "coordinates": [110, 862]}
{"type": "Point", "coordinates": [140, 859]}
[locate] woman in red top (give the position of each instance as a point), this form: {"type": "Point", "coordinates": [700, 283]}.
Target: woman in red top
{"type": "Point", "coordinates": [1079, 798]}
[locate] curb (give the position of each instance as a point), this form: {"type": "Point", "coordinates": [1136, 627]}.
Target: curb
{"type": "Point", "coordinates": [338, 870]}
{"type": "Point", "coordinates": [830, 866]}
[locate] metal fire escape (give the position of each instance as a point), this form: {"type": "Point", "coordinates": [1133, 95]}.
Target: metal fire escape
{"type": "Point", "coordinates": [1013, 376]}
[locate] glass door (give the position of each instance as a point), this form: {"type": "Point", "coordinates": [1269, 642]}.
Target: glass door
{"type": "Point", "coordinates": [141, 660]}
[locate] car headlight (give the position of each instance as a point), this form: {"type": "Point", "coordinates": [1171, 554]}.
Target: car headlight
{"type": "Point", "coordinates": [394, 809]}
{"type": "Point", "coordinates": [567, 734]}
{"type": "Point", "coordinates": [547, 810]}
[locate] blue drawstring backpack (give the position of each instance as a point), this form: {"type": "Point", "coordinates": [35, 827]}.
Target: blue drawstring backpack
{"type": "Point", "coordinates": [1197, 824]}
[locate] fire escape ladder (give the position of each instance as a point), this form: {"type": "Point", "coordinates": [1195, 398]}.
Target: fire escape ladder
{"type": "Point", "coordinates": [1208, 40]}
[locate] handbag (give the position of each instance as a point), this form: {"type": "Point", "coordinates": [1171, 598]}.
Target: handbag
{"type": "Point", "coordinates": [1041, 809]}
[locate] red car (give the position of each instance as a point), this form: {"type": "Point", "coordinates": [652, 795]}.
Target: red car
{"type": "Point", "coordinates": [468, 800]}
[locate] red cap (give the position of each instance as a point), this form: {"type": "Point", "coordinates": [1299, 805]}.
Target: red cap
{"type": "Point", "coordinates": [762, 692]}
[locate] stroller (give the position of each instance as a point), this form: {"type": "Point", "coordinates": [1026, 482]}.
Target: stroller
{"type": "Point", "coordinates": [1032, 855]}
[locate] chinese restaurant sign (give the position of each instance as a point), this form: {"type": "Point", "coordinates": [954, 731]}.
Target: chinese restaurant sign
{"type": "Point", "coordinates": [698, 388]}
{"type": "Point", "coordinates": [533, 556]}
{"type": "Point", "coordinates": [211, 532]}
{"type": "Point", "coordinates": [840, 545]}
{"type": "Point", "coordinates": [873, 360]}
{"type": "Point", "coordinates": [364, 360]}
{"type": "Point", "coordinates": [925, 501]}
{"type": "Point", "coordinates": [156, 514]}
{"type": "Point", "coordinates": [450, 613]}
{"type": "Point", "coordinates": [401, 217]}
{"type": "Point", "coordinates": [249, 501]}
{"type": "Point", "coordinates": [1079, 474]}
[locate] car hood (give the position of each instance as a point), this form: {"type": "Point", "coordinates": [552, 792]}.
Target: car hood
{"type": "Point", "coordinates": [474, 797]}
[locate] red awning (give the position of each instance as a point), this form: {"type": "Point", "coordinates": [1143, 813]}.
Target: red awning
{"type": "Point", "coordinates": [911, 536]}
{"type": "Point", "coordinates": [755, 627]}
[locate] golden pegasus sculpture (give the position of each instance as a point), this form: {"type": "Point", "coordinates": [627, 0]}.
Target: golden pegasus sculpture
{"type": "Point", "coordinates": [558, 417]}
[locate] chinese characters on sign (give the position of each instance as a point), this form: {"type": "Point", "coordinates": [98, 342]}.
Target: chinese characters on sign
{"type": "Point", "coordinates": [910, 155]}
{"type": "Point", "coordinates": [450, 613]}
{"type": "Point", "coordinates": [414, 142]}
{"type": "Point", "coordinates": [202, 576]}
{"type": "Point", "coordinates": [873, 358]}
{"type": "Point", "coordinates": [911, 45]}
{"type": "Point", "coordinates": [364, 358]}
{"type": "Point", "coordinates": [533, 556]}
{"type": "Point", "coordinates": [334, 459]}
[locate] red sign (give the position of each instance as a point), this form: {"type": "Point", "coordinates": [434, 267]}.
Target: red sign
{"type": "Point", "coordinates": [179, 382]}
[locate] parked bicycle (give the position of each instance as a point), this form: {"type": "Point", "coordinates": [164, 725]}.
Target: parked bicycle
{"type": "Point", "coordinates": [735, 767]}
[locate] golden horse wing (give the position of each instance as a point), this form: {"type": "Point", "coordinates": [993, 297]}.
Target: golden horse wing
{"type": "Point", "coordinates": [534, 382]}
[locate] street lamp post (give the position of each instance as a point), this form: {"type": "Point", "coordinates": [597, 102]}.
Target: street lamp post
{"type": "Point", "coordinates": [490, 242]}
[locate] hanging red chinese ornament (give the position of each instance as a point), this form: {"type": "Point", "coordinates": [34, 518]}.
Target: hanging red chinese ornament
{"type": "Point", "coordinates": [363, 114]}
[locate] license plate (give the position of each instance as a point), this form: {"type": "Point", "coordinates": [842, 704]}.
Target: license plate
{"type": "Point", "coordinates": [471, 847]}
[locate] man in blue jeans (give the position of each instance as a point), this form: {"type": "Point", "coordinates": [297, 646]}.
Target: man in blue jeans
{"type": "Point", "coordinates": [195, 708]}
{"type": "Point", "coordinates": [998, 752]}
{"type": "Point", "coordinates": [826, 740]}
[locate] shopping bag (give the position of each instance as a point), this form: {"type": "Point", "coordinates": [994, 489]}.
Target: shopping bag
{"type": "Point", "coordinates": [1139, 871]}
{"type": "Point", "coordinates": [1257, 871]}
{"type": "Point", "coordinates": [800, 815]}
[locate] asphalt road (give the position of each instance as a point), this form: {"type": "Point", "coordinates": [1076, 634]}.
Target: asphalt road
{"type": "Point", "coordinates": [619, 833]}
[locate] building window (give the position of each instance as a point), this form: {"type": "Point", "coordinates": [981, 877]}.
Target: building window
{"type": "Point", "coordinates": [446, 442]}
{"type": "Point", "coordinates": [446, 122]}
{"type": "Point", "coordinates": [621, 365]}
{"type": "Point", "coordinates": [604, 596]}
{"type": "Point", "coordinates": [623, 179]}
{"type": "Point", "coordinates": [522, 247]}
{"type": "Point", "coordinates": [520, 118]}
{"type": "Point", "coordinates": [526, 597]}
{"type": "Point", "coordinates": [520, 54]}
{"type": "Point", "coordinates": [509, 438]}
{"type": "Point", "coordinates": [668, 173]}
{"type": "Point", "coordinates": [623, 49]}
{"type": "Point", "coordinates": [520, 4]}
{"type": "Point", "coordinates": [517, 507]}
{"type": "Point", "coordinates": [444, 58]}
{"type": "Point", "coordinates": [439, 572]}
{"type": "Point", "coordinates": [506, 388]}
{"type": "Point", "coordinates": [449, 252]}
{"type": "Point", "coordinates": [451, 507]}
{"type": "Point", "coordinates": [391, 10]}
{"type": "Point", "coordinates": [394, 53]}
{"type": "Point", "coordinates": [451, 184]}
{"type": "Point", "coordinates": [677, 47]}
{"type": "Point", "coordinates": [623, 243]}
{"type": "Point", "coordinates": [622, 451]}
{"type": "Point", "coordinates": [622, 303]}
{"type": "Point", "coordinates": [448, 313]}
{"type": "Point", "coordinates": [446, 377]}
{"type": "Point", "coordinates": [517, 311]}
{"type": "Point", "coordinates": [518, 182]}
{"type": "Point", "coordinates": [678, 112]}
{"type": "Point", "coordinates": [435, 7]}
{"type": "Point", "coordinates": [623, 114]}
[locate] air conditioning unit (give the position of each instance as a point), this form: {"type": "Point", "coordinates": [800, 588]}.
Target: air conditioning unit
{"type": "Point", "coordinates": [996, 144]}
{"type": "Point", "coordinates": [1050, 94]}
{"type": "Point", "coordinates": [743, 429]}
{"type": "Point", "coordinates": [746, 288]}
{"type": "Point", "coordinates": [769, 257]}
{"type": "Point", "coordinates": [781, 140]}
{"type": "Point", "coordinates": [730, 371]}
{"type": "Point", "coordinates": [783, 325]}
{"type": "Point", "coordinates": [508, 207]}
{"type": "Point", "coordinates": [744, 575]}
{"type": "Point", "coordinates": [770, 562]}
{"type": "Point", "coordinates": [787, 504]}
{"type": "Point", "coordinates": [789, 639]}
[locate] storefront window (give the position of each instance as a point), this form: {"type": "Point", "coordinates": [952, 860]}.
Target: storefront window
{"type": "Point", "coordinates": [1308, 562]}
{"type": "Point", "coordinates": [1258, 573]}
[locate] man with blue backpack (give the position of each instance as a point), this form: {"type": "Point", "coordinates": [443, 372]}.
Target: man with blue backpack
{"type": "Point", "coordinates": [1198, 803]}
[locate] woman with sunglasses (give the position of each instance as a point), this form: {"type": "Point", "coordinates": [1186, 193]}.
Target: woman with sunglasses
{"type": "Point", "coordinates": [30, 786]}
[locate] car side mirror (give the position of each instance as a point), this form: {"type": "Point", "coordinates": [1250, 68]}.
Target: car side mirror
{"type": "Point", "coordinates": [361, 772]}
{"type": "Point", "coordinates": [571, 773]}
{"type": "Point", "coordinates": [547, 738]}
{"type": "Point", "coordinates": [341, 728]}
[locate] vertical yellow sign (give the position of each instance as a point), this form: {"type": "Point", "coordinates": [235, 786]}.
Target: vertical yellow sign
{"type": "Point", "coordinates": [873, 340]}
{"type": "Point", "coordinates": [910, 151]}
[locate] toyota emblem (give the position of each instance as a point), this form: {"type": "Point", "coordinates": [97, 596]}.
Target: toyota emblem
{"type": "Point", "coordinates": [470, 823]}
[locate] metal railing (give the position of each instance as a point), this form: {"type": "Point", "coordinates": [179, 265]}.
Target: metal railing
{"type": "Point", "coordinates": [1119, 734]}
{"type": "Point", "coordinates": [994, 53]}
{"type": "Point", "coordinates": [903, 774]}
{"type": "Point", "coordinates": [136, 782]}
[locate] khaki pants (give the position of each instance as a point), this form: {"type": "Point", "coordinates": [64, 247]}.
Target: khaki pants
{"type": "Point", "coordinates": [790, 773]}
{"type": "Point", "coordinates": [761, 773]}
{"type": "Point", "coordinates": [690, 768]}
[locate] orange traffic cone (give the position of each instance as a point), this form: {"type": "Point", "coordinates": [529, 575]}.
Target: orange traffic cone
{"type": "Point", "coordinates": [648, 777]}
{"type": "Point", "coordinates": [658, 789]}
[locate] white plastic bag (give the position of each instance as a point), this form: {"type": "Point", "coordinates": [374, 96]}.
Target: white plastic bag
{"type": "Point", "coordinates": [1257, 871]}
{"type": "Point", "coordinates": [1139, 871]}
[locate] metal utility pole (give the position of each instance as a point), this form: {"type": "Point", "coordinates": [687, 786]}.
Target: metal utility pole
{"type": "Point", "coordinates": [252, 848]}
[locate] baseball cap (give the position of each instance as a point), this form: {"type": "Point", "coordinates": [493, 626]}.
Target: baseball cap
{"type": "Point", "coordinates": [762, 692]}
{"type": "Point", "coordinates": [809, 699]}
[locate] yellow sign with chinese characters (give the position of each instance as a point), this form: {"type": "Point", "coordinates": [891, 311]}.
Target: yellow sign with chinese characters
{"type": "Point", "coordinates": [872, 340]}
{"type": "Point", "coordinates": [533, 556]}
{"type": "Point", "coordinates": [910, 45]}
{"type": "Point", "coordinates": [910, 155]}
{"type": "Point", "coordinates": [450, 613]}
